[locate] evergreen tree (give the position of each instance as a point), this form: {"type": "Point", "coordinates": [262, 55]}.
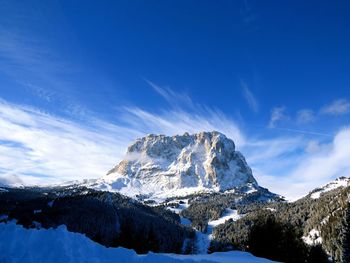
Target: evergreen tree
{"type": "Point", "coordinates": [317, 255]}
{"type": "Point", "coordinates": [276, 240]}
{"type": "Point", "coordinates": [345, 257]}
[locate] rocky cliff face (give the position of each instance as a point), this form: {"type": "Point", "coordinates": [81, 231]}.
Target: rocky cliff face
{"type": "Point", "coordinates": [179, 165]}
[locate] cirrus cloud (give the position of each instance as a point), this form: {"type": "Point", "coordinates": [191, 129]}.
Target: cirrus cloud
{"type": "Point", "coordinates": [40, 148]}
{"type": "Point", "coordinates": [277, 114]}
{"type": "Point", "coordinates": [305, 116]}
{"type": "Point", "coordinates": [337, 107]}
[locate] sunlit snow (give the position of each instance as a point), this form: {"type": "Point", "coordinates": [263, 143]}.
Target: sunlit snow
{"type": "Point", "coordinates": [59, 245]}
{"type": "Point", "coordinates": [339, 182]}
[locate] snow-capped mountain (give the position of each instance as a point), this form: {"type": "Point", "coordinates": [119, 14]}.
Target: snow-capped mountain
{"type": "Point", "coordinates": [179, 165]}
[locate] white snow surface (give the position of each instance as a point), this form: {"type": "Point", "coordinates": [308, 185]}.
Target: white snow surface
{"type": "Point", "coordinates": [313, 238]}
{"type": "Point", "coordinates": [229, 214]}
{"type": "Point", "coordinates": [182, 204]}
{"type": "Point", "coordinates": [18, 244]}
{"type": "Point", "coordinates": [203, 240]}
{"type": "Point", "coordinates": [163, 166]}
{"type": "Point", "coordinates": [339, 182]}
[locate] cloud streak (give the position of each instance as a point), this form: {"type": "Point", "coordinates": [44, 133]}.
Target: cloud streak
{"type": "Point", "coordinates": [178, 122]}
{"type": "Point", "coordinates": [337, 107]}
{"type": "Point", "coordinates": [24, 57]}
{"type": "Point", "coordinates": [305, 116]}
{"type": "Point", "coordinates": [277, 114]}
{"type": "Point", "coordinates": [39, 148]}
{"type": "Point", "coordinates": [249, 97]}
{"type": "Point", "coordinates": [173, 98]}
{"type": "Point", "coordinates": [313, 168]}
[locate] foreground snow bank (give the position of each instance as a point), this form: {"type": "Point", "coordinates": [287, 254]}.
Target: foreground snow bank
{"type": "Point", "coordinates": [18, 244]}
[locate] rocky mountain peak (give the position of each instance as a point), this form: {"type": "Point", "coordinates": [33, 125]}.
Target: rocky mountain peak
{"type": "Point", "coordinates": [181, 164]}
{"type": "Point", "coordinates": [159, 145]}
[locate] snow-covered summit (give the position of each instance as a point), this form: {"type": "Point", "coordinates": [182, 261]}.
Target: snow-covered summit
{"type": "Point", "coordinates": [180, 165]}
{"type": "Point", "coordinates": [339, 182]}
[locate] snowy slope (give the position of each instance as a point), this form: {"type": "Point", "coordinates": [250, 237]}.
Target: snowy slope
{"type": "Point", "coordinates": [18, 244]}
{"type": "Point", "coordinates": [313, 238]}
{"type": "Point", "coordinates": [229, 214]}
{"type": "Point", "coordinates": [179, 165]}
{"type": "Point", "coordinates": [202, 240]}
{"type": "Point", "coordinates": [339, 182]}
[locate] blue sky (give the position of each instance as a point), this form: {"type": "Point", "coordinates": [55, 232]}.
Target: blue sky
{"type": "Point", "coordinates": [79, 80]}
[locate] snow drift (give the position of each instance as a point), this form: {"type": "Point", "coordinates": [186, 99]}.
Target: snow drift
{"type": "Point", "coordinates": [18, 244]}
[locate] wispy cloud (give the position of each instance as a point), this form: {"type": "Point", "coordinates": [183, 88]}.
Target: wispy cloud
{"type": "Point", "coordinates": [249, 17]}
{"type": "Point", "coordinates": [277, 114]}
{"type": "Point", "coordinates": [314, 168]}
{"type": "Point", "coordinates": [305, 132]}
{"type": "Point", "coordinates": [337, 107]}
{"type": "Point", "coordinates": [260, 150]}
{"type": "Point", "coordinates": [25, 56]}
{"type": "Point", "coordinates": [176, 121]}
{"type": "Point", "coordinates": [326, 165]}
{"type": "Point", "coordinates": [175, 99]}
{"type": "Point", "coordinates": [31, 62]}
{"type": "Point", "coordinates": [305, 116]}
{"type": "Point", "coordinates": [39, 148]}
{"type": "Point", "coordinates": [294, 165]}
{"type": "Point", "coordinates": [314, 146]}
{"type": "Point", "coordinates": [250, 98]}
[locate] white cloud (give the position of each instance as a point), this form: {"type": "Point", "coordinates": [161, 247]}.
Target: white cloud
{"type": "Point", "coordinates": [277, 114]}
{"type": "Point", "coordinates": [327, 164]}
{"type": "Point", "coordinates": [261, 150]}
{"type": "Point", "coordinates": [250, 98]}
{"type": "Point", "coordinates": [27, 57]}
{"type": "Point", "coordinates": [313, 168]}
{"type": "Point", "coordinates": [314, 146]}
{"type": "Point", "coordinates": [305, 116]}
{"type": "Point", "coordinates": [31, 61]}
{"type": "Point", "coordinates": [173, 98]}
{"type": "Point", "coordinates": [178, 122]}
{"type": "Point", "coordinates": [337, 107]}
{"type": "Point", "coordinates": [37, 148]}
